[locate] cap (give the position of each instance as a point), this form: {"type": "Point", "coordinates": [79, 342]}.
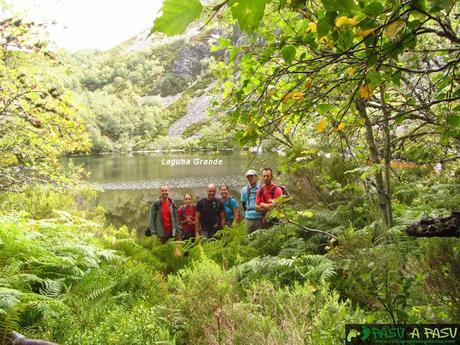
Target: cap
{"type": "Point", "coordinates": [251, 172]}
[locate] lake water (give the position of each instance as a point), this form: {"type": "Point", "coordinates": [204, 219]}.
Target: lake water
{"type": "Point", "coordinates": [131, 181]}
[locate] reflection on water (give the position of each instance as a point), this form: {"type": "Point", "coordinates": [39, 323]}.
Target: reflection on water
{"type": "Point", "coordinates": [131, 182]}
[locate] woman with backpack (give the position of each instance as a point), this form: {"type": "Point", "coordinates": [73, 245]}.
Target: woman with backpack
{"type": "Point", "coordinates": [232, 213]}
{"type": "Point", "coordinates": [187, 216]}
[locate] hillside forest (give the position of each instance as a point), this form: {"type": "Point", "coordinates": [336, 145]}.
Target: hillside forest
{"type": "Point", "coordinates": [360, 99]}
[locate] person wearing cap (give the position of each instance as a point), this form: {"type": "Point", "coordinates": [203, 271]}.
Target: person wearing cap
{"type": "Point", "coordinates": [252, 218]}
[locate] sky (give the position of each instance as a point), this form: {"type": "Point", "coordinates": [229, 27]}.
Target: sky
{"type": "Point", "coordinates": [98, 24]}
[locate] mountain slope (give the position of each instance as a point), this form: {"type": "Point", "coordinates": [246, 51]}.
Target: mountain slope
{"type": "Point", "coordinates": [148, 89]}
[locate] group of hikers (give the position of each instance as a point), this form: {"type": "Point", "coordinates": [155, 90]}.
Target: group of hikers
{"type": "Point", "coordinates": [211, 214]}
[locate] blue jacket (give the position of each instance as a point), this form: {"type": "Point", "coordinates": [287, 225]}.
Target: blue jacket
{"type": "Point", "coordinates": [250, 201]}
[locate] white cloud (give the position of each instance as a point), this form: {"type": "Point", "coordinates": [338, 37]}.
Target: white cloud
{"type": "Point", "coordinates": [99, 24]}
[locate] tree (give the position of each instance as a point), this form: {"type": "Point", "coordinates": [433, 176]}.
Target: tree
{"type": "Point", "coordinates": [342, 70]}
{"type": "Point", "coordinates": [38, 121]}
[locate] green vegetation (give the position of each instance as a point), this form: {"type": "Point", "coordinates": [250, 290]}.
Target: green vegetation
{"type": "Point", "coordinates": [69, 279]}
{"type": "Point", "coordinates": [194, 128]}
{"type": "Point", "coordinates": [361, 97]}
{"type": "Point", "coordinates": [39, 120]}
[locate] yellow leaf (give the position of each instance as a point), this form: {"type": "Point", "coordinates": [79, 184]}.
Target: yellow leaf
{"type": "Point", "coordinates": [362, 121]}
{"type": "Point", "coordinates": [177, 252]}
{"type": "Point", "coordinates": [312, 27]}
{"type": "Point", "coordinates": [393, 29]}
{"type": "Point", "coordinates": [306, 213]}
{"type": "Point", "coordinates": [341, 21]}
{"type": "Point", "coordinates": [321, 127]}
{"type": "Point", "coordinates": [351, 72]}
{"type": "Point", "coordinates": [365, 92]}
{"type": "Point", "coordinates": [340, 127]}
{"type": "Point", "coordinates": [364, 33]}
{"type": "Point", "coordinates": [297, 95]}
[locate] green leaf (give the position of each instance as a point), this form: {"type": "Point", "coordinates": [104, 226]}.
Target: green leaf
{"type": "Point", "coordinates": [396, 78]}
{"type": "Point", "coordinates": [453, 120]}
{"type": "Point", "coordinates": [288, 54]}
{"type": "Point", "coordinates": [248, 13]}
{"type": "Point", "coordinates": [233, 53]}
{"type": "Point", "coordinates": [439, 5]}
{"type": "Point", "coordinates": [345, 40]}
{"type": "Point", "coordinates": [372, 58]}
{"type": "Point", "coordinates": [374, 78]}
{"type": "Point", "coordinates": [325, 24]}
{"type": "Point", "coordinates": [323, 108]}
{"type": "Point", "coordinates": [400, 119]}
{"type": "Point", "coordinates": [374, 9]}
{"type": "Point", "coordinates": [420, 5]}
{"type": "Point", "coordinates": [177, 15]}
{"type": "Point", "coordinates": [343, 6]}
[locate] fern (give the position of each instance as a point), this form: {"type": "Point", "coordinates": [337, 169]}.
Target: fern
{"type": "Point", "coordinates": [52, 288]}
{"type": "Point", "coordinates": [9, 298]}
{"type": "Point", "coordinates": [98, 292]}
{"type": "Point", "coordinates": [268, 267]}
{"type": "Point", "coordinates": [8, 322]}
{"type": "Point", "coordinates": [315, 268]}
{"type": "Point", "coordinates": [110, 256]}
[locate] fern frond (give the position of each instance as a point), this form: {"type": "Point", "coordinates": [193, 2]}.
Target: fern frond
{"type": "Point", "coordinates": [9, 298]}
{"type": "Point", "coordinates": [8, 322]}
{"type": "Point", "coordinates": [265, 267]}
{"type": "Point", "coordinates": [52, 288]}
{"type": "Point", "coordinates": [96, 293]}
{"type": "Point", "coordinates": [315, 268]}
{"type": "Point", "coordinates": [110, 256]}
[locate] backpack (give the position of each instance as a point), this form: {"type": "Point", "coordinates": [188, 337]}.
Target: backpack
{"type": "Point", "coordinates": [284, 190]}
{"type": "Point", "coordinates": [183, 210]}
{"type": "Point", "coordinates": [228, 203]}
{"type": "Point", "coordinates": [248, 194]}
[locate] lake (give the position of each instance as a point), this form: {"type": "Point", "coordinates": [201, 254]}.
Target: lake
{"type": "Point", "coordinates": [131, 181]}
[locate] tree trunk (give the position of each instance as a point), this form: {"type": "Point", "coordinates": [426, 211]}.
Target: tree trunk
{"type": "Point", "coordinates": [382, 198]}
{"type": "Point", "coordinates": [15, 338]}
{"type": "Point", "coordinates": [440, 227]}
{"type": "Point", "coordinates": [386, 157]}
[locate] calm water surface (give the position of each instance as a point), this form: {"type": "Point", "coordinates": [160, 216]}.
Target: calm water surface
{"type": "Point", "coordinates": [131, 181]}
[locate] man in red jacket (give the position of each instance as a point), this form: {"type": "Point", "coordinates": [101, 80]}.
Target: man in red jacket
{"type": "Point", "coordinates": [268, 193]}
{"type": "Point", "coordinates": [163, 220]}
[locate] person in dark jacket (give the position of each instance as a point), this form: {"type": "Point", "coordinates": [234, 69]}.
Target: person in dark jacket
{"type": "Point", "coordinates": [164, 220]}
{"type": "Point", "coordinates": [210, 214]}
